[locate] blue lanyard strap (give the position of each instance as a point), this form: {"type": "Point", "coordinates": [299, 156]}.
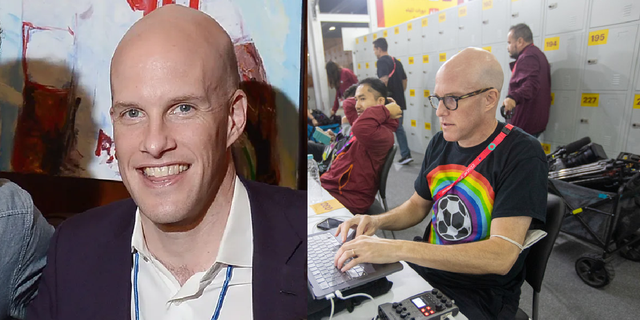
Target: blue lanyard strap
{"type": "Point", "coordinates": [216, 313]}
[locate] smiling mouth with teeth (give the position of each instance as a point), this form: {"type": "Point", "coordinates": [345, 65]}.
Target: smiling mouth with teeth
{"type": "Point", "coordinates": [164, 171]}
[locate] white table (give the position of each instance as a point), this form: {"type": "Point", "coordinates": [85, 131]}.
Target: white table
{"type": "Point", "coordinates": [405, 282]}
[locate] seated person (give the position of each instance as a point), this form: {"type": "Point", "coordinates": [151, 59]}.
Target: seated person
{"type": "Point", "coordinates": [472, 250]}
{"type": "Point", "coordinates": [355, 173]}
{"type": "Point", "coordinates": [316, 148]}
{"type": "Point", "coordinates": [24, 240]}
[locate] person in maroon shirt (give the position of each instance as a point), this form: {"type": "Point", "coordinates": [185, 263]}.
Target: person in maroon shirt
{"type": "Point", "coordinates": [340, 79]}
{"type": "Point", "coordinates": [354, 176]}
{"type": "Point", "coordinates": [529, 96]}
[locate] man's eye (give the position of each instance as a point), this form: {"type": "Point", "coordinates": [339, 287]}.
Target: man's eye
{"type": "Point", "coordinates": [184, 108]}
{"type": "Point", "coordinates": [132, 113]}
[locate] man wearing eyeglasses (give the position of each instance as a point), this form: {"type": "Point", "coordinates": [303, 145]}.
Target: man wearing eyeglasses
{"type": "Point", "coordinates": [485, 182]}
{"type": "Point", "coordinates": [529, 97]}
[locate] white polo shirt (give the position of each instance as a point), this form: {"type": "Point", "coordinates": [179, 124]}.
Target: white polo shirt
{"type": "Point", "coordinates": [161, 296]}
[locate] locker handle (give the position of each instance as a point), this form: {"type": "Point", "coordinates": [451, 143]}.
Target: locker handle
{"type": "Point", "coordinates": [408, 39]}
{"type": "Point", "coordinates": [592, 61]}
{"type": "Point", "coordinates": [553, 6]}
{"type": "Point", "coordinates": [485, 21]}
{"type": "Point", "coordinates": [423, 36]}
{"type": "Point", "coordinates": [411, 104]}
{"type": "Point", "coordinates": [461, 27]}
{"type": "Point", "coordinates": [636, 125]}
{"type": "Point", "coordinates": [515, 15]}
{"type": "Point", "coordinates": [424, 71]}
{"type": "Point", "coordinates": [584, 121]}
{"type": "Point", "coordinates": [441, 32]}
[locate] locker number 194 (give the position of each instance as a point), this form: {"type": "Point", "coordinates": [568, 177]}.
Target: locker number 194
{"type": "Point", "coordinates": [551, 44]}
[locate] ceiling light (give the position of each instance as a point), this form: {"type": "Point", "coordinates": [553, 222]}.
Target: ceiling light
{"type": "Point", "coordinates": [332, 28]}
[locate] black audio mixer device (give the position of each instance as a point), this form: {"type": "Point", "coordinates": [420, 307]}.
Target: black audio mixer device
{"type": "Point", "coordinates": [429, 305]}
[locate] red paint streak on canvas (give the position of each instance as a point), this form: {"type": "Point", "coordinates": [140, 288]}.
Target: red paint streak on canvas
{"type": "Point", "coordinates": [40, 141]}
{"type": "Point", "coordinates": [104, 144]}
{"type": "Point", "coordinates": [146, 6]}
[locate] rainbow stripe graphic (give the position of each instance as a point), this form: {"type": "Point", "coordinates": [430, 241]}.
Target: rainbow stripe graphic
{"type": "Point", "coordinates": [476, 193]}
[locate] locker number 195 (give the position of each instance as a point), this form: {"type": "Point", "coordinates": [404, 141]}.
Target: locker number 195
{"type": "Point", "coordinates": [598, 37]}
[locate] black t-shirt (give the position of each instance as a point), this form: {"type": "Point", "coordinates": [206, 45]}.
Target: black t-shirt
{"type": "Point", "coordinates": [511, 181]}
{"type": "Point", "coordinates": [396, 91]}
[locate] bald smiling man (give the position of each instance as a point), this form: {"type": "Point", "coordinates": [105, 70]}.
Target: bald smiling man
{"type": "Point", "coordinates": [195, 241]}
{"type": "Point", "coordinates": [471, 250]}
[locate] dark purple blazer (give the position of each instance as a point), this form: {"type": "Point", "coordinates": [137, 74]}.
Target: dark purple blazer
{"type": "Point", "coordinates": [530, 87]}
{"type": "Point", "coordinates": [88, 272]}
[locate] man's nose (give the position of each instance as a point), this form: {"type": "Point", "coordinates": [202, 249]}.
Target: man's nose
{"type": "Point", "coordinates": [157, 139]}
{"type": "Point", "coordinates": [441, 110]}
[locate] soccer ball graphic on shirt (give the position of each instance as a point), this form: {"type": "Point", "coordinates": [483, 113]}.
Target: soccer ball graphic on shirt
{"type": "Point", "coordinates": [453, 222]}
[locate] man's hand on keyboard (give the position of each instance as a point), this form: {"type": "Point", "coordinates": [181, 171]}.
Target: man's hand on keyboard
{"type": "Point", "coordinates": [366, 249]}
{"type": "Point", "coordinates": [365, 224]}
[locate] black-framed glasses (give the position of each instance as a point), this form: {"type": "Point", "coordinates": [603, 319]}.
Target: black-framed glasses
{"type": "Point", "coordinates": [451, 102]}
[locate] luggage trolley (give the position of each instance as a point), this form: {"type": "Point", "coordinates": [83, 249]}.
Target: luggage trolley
{"type": "Point", "coordinates": [609, 220]}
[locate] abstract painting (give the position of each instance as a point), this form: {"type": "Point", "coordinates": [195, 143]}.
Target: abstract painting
{"type": "Point", "coordinates": [55, 94]}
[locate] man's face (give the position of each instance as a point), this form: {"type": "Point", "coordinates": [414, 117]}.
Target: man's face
{"type": "Point", "coordinates": [458, 125]}
{"type": "Point", "coordinates": [366, 98]}
{"type": "Point", "coordinates": [512, 46]}
{"type": "Point", "coordinates": [170, 132]}
{"type": "Point", "coordinates": [377, 51]}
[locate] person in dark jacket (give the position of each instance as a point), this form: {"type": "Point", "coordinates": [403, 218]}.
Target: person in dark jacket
{"type": "Point", "coordinates": [354, 176]}
{"type": "Point", "coordinates": [529, 96]}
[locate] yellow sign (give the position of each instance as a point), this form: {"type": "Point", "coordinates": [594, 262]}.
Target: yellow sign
{"type": "Point", "coordinates": [396, 12]}
{"type": "Point", "coordinates": [365, 38]}
{"type": "Point", "coordinates": [410, 60]}
{"type": "Point", "coordinates": [427, 93]}
{"type": "Point", "coordinates": [442, 17]}
{"type": "Point", "coordinates": [551, 44]}
{"type": "Point", "coordinates": [409, 27]}
{"type": "Point", "coordinates": [636, 101]}
{"type": "Point", "coordinates": [413, 123]}
{"type": "Point", "coordinates": [412, 93]}
{"type": "Point", "coordinates": [589, 99]}
{"type": "Point", "coordinates": [546, 147]}
{"type": "Point", "coordinates": [462, 11]}
{"type": "Point", "coordinates": [487, 4]}
{"type": "Point", "coordinates": [366, 65]}
{"type": "Point", "coordinates": [375, 64]}
{"type": "Point", "coordinates": [425, 58]}
{"type": "Point", "coordinates": [443, 57]}
{"type": "Point", "coordinates": [514, 0]}
{"type": "Point", "coordinates": [326, 206]}
{"type": "Point", "coordinates": [358, 66]}
{"type": "Point", "coordinates": [427, 125]}
{"type": "Point", "coordinates": [357, 41]}
{"type": "Point", "coordinates": [398, 59]}
{"type": "Point", "coordinates": [553, 98]}
{"type": "Point", "coordinates": [375, 36]}
{"type": "Point", "coordinates": [487, 48]}
{"type": "Point", "coordinates": [598, 37]}
{"type": "Point", "coordinates": [384, 33]}
{"type": "Point", "coordinates": [396, 30]}
{"type": "Point", "coordinates": [425, 22]}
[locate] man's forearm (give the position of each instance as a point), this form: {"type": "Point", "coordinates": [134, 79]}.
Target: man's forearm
{"type": "Point", "coordinates": [405, 216]}
{"type": "Point", "coordinates": [492, 256]}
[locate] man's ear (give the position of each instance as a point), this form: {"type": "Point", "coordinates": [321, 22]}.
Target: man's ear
{"type": "Point", "coordinates": [492, 99]}
{"type": "Point", "coordinates": [381, 101]}
{"type": "Point", "coordinates": [237, 116]}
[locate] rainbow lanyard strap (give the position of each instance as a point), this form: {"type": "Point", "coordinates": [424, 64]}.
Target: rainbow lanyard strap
{"type": "Point", "coordinates": [221, 297]}
{"type": "Point", "coordinates": [505, 131]}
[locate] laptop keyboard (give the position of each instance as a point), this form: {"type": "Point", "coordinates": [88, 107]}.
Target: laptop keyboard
{"type": "Point", "coordinates": [322, 249]}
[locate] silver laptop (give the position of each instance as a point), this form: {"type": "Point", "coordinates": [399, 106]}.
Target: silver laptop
{"type": "Point", "coordinates": [323, 276]}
